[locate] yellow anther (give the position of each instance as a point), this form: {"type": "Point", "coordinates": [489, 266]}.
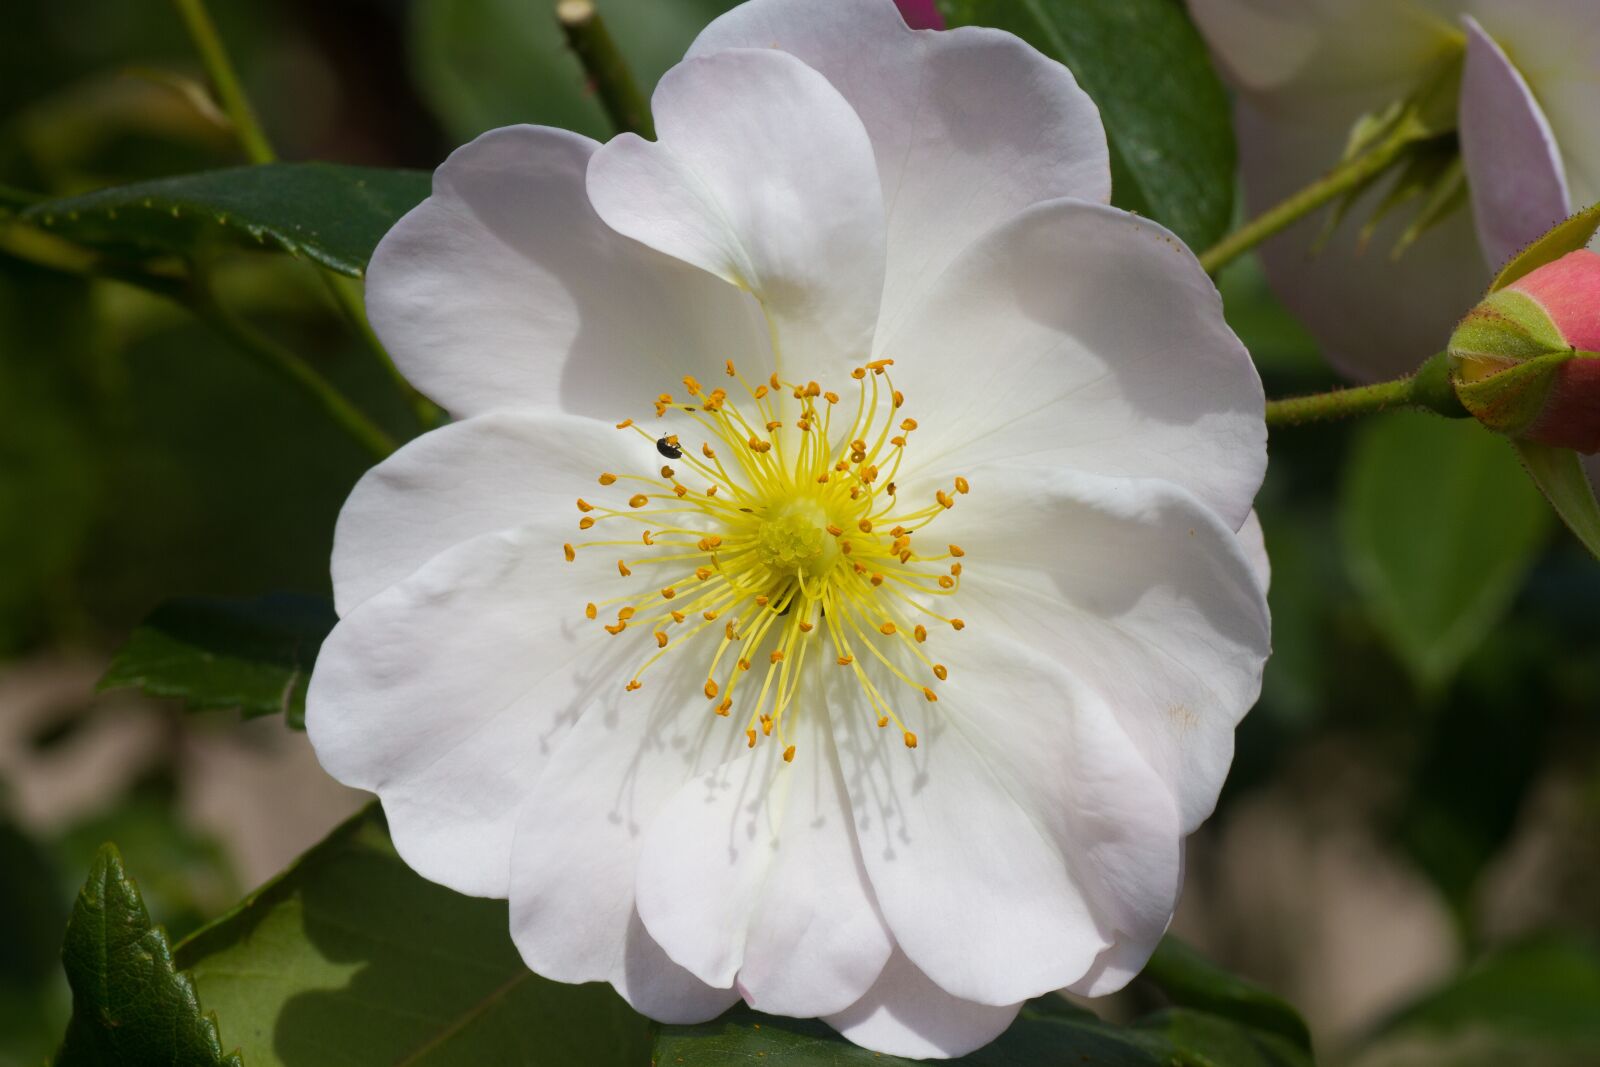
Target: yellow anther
{"type": "Point", "coordinates": [865, 525]}
{"type": "Point", "coordinates": [758, 445]}
{"type": "Point", "coordinates": [711, 490]}
{"type": "Point", "coordinates": [887, 629]}
{"type": "Point", "coordinates": [763, 600]}
{"type": "Point", "coordinates": [668, 593]}
{"type": "Point", "coordinates": [930, 694]}
{"type": "Point", "coordinates": [846, 547]}
{"type": "Point", "coordinates": [944, 499]}
{"type": "Point", "coordinates": [635, 684]}
{"type": "Point", "coordinates": [664, 398]}
{"type": "Point", "coordinates": [788, 754]}
{"type": "Point", "coordinates": [608, 479]}
{"type": "Point", "coordinates": [831, 397]}
{"type": "Point", "coordinates": [911, 739]}
{"type": "Point", "coordinates": [730, 630]}
{"type": "Point", "coordinates": [777, 655]}
{"type": "Point", "coordinates": [711, 689]}
{"type": "Point", "coordinates": [822, 479]}
{"type": "Point", "coordinates": [806, 627]}
{"type": "Point", "coordinates": [905, 557]}
{"type": "Point", "coordinates": [898, 441]}
{"type": "Point", "coordinates": [624, 424]}
{"type": "Point", "coordinates": [859, 373]}
{"type": "Point", "coordinates": [705, 450]}
{"type": "Point", "coordinates": [726, 706]}
{"type": "Point", "coordinates": [690, 384]}
{"type": "Point", "coordinates": [877, 365]}
{"type": "Point", "coordinates": [834, 530]}
{"type": "Point", "coordinates": [743, 664]}
{"type": "Point", "coordinates": [889, 489]}
{"type": "Point", "coordinates": [962, 486]}
{"type": "Point", "coordinates": [958, 624]}
{"type": "Point", "coordinates": [802, 424]}
{"type": "Point", "coordinates": [638, 500]}
{"type": "Point", "coordinates": [667, 472]}
{"type": "Point", "coordinates": [877, 579]}
{"type": "Point", "coordinates": [869, 473]}
{"type": "Point", "coordinates": [940, 671]}
{"type": "Point", "coordinates": [585, 523]}
{"type": "Point", "coordinates": [946, 582]}
{"type": "Point", "coordinates": [590, 611]}
{"type": "Point", "coordinates": [615, 628]}
{"type": "Point", "coordinates": [661, 639]}
{"type": "Point", "coordinates": [627, 613]}
{"type": "Point", "coordinates": [584, 505]}
{"type": "Point", "coordinates": [702, 573]}
{"type": "Point", "coordinates": [677, 616]}
{"type": "Point", "coordinates": [776, 384]}
{"type": "Point", "coordinates": [709, 615]}
{"type": "Point", "coordinates": [899, 398]}
{"type": "Point", "coordinates": [920, 633]}
{"type": "Point", "coordinates": [750, 738]}
{"type": "Point", "coordinates": [773, 424]}
{"type": "Point", "coordinates": [648, 538]}
{"type": "Point", "coordinates": [899, 545]}
{"type": "Point", "coordinates": [813, 389]}
{"type": "Point", "coordinates": [908, 425]}
{"type": "Point", "coordinates": [957, 550]}
{"type": "Point", "coordinates": [622, 568]}
{"type": "Point", "coordinates": [680, 490]}
{"type": "Point", "coordinates": [570, 552]}
{"type": "Point", "coordinates": [766, 726]}
{"type": "Point", "coordinates": [855, 492]}
{"type": "Point", "coordinates": [858, 446]}
{"type": "Point", "coordinates": [845, 661]}
{"type": "Point", "coordinates": [760, 392]}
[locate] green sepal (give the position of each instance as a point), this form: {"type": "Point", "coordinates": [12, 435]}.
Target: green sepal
{"type": "Point", "coordinates": [1510, 402]}
{"type": "Point", "coordinates": [1559, 474]}
{"type": "Point", "coordinates": [131, 1006]}
{"type": "Point", "coordinates": [1574, 233]}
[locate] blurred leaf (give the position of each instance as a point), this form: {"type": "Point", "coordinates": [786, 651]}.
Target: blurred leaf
{"type": "Point", "coordinates": [487, 63]}
{"type": "Point", "coordinates": [331, 214]}
{"type": "Point", "coordinates": [1559, 474]}
{"type": "Point", "coordinates": [254, 655]}
{"type": "Point", "coordinates": [351, 957]}
{"type": "Point", "coordinates": [1533, 1005]}
{"type": "Point", "coordinates": [1166, 115]}
{"type": "Point", "coordinates": [1198, 1039]}
{"type": "Point", "coordinates": [1191, 981]}
{"type": "Point", "coordinates": [131, 1006]}
{"type": "Point", "coordinates": [1568, 236]}
{"type": "Point", "coordinates": [1440, 527]}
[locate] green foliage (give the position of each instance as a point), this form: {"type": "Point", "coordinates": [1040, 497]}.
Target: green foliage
{"type": "Point", "coordinates": [1440, 528]}
{"type": "Point", "coordinates": [254, 655]}
{"type": "Point", "coordinates": [131, 1006]}
{"type": "Point", "coordinates": [351, 957]}
{"type": "Point", "coordinates": [487, 63]}
{"type": "Point", "coordinates": [1560, 476]}
{"type": "Point", "coordinates": [1190, 980]}
{"type": "Point", "coordinates": [1166, 115]}
{"type": "Point", "coordinates": [331, 214]}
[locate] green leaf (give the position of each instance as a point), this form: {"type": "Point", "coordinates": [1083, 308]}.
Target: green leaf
{"type": "Point", "coordinates": [131, 1006]}
{"type": "Point", "coordinates": [1536, 1004]}
{"type": "Point", "coordinates": [1440, 527]}
{"type": "Point", "coordinates": [254, 655]}
{"type": "Point", "coordinates": [1191, 981]}
{"type": "Point", "coordinates": [1568, 236]}
{"type": "Point", "coordinates": [331, 214]}
{"type": "Point", "coordinates": [1559, 474]}
{"type": "Point", "coordinates": [1166, 114]}
{"type": "Point", "coordinates": [349, 957]}
{"type": "Point", "coordinates": [486, 63]}
{"type": "Point", "coordinates": [1198, 1039]}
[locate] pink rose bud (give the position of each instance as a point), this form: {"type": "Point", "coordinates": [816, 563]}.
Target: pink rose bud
{"type": "Point", "coordinates": [1526, 361]}
{"type": "Point", "coordinates": [921, 14]}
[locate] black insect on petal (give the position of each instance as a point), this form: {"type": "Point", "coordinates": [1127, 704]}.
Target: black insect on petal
{"type": "Point", "coordinates": [668, 447]}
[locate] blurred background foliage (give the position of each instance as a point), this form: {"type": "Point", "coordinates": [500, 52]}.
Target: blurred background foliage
{"type": "Point", "coordinates": [1408, 846]}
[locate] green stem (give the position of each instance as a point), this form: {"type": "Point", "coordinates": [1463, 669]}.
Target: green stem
{"type": "Point", "coordinates": [1349, 175]}
{"type": "Point", "coordinates": [1427, 390]}
{"type": "Point", "coordinates": [289, 366]}
{"type": "Point", "coordinates": [215, 57]}
{"type": "Point", "coordinates": [619, 94]}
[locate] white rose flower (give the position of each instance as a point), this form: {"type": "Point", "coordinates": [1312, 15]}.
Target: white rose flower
{"type": "Point", "coordinates": [832, 594]}
{"type": "Point", "coordinates": [1529, 148]}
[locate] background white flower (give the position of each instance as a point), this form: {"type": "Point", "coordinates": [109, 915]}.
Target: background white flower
{"type": "Point", "coordinates": [1529, 137]}
{"type": "Point", "coordinates": [828, 189]}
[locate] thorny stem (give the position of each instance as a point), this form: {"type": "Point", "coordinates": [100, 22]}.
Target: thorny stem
{"type": "Point", "coordinates": [1427, 390]}
{"type": "Point", "coordinates": [1349, 175]}
{"type": "Point", "coordinates": [608, 72]}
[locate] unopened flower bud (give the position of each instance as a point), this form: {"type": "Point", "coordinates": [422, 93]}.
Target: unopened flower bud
{"type": "Point", "coordinates": [1526, 361]}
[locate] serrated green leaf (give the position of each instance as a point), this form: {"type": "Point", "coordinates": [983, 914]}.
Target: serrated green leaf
{"type": "Point", "coordinates": [130, 1004]}
{"type": "Point", "coordinates": [351, 957]}
{"type": "Point", "coordinates": [1190, 980]}
{"type": "Point", "coordinates": [254, 655]}
{"type": "Point", "coordinates": [1559, 474]}
{"type": "Point", "coordinates": [331, 214]}
{"type": "Point", "coordinates": [1568, 236]}
{"type": "Point", "coordinates": [1440, 527]}
{"type": "Point", "coordinates": [1165, 111]}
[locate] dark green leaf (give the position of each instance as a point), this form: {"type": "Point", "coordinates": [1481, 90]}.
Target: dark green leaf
{"type": "Point", "coordinates": [1533, 1005]}
{"type": "Point", "coordinates": [1191, 981]}
{"type": "Point", "coordinates": [1166, 115]}
{"type": "Point", "coordinates": [131, 1006]}
{"type": "Point", "coordinates": [1197, 1039]}
{"type": "Point", "coordinates": [254, 655]}
{"type": "Point", "coordinates": [1440, 527]}
{"type": "Point", "coordinates": [331, 214]}
{"type": "Point", "coordinates": [1560, 476]}
{"type": "Point", "coordinates": [487, 63]}
{"type": "Point", "coordinates": [349, 957]}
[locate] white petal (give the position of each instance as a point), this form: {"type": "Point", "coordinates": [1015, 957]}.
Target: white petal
{"type": "Point", "coordinates": [1138, 591]}
{"type": "Point", "coordinates": [1021, 834]}
{"type": "Point", "coordinates": [753, 871]}
{"type": "Point", "coordinates": [504, 290]}
{"type": "Point", "coordinates": [445, 693]}
{"type": "Point", "coordinates": [1376, 316]}
{"type": "Point", "coordinates": [1519, 187]}
{"type": "Point", "coordinates": [492, 472]}
{"type": "Point", "coordinates": [575, 860]}
{"type": "Point", "coordinates": [969, 126]}
{"type": "Point", "coordinates": [1253, 540]}
{"type": "Point", "coordinates": [1082, 336]}
{"type": "Point", "coordinates": [905, 1014]}
{"type": "Point", "coordinates": [763, 176]}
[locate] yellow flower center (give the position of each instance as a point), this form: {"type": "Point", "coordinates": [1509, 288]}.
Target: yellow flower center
{"type": "Point", "coordinates": [786, 538]}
